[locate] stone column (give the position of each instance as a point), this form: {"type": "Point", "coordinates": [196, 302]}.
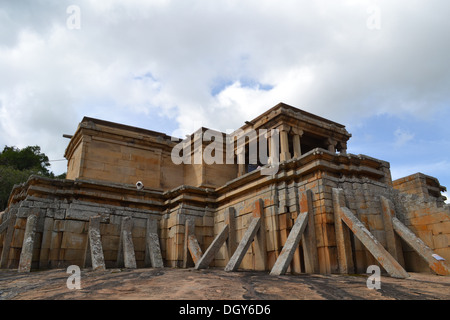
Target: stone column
{"type": "Point", "coordinates": [343, 148]}
{"type": "Point", "coordinates": [296, 140]}
{"type": "Point", "coordinates": [284, 142]}
{"type": "Point", "coordinates": [332, 145]}
{"type": "Point", "coordinates": [241, 161]}
{"type": "Point", "coordinates": [26, 256]}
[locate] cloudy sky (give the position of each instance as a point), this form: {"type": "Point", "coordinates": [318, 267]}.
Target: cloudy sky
{"type": "Point", "coordinates": [381, 68]}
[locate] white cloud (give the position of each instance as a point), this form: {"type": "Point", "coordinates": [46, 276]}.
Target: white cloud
{"type": "Point", "coordinates": [447, 195]}
{"type": "Point", "coordinates": [166, 57]}
{"type": "Point", "coordinates": [402, 137]}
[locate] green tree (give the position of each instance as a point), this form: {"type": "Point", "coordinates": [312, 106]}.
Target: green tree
{"type": "Point", "coordinates": [16, 166]}
{"type": "Point", "coordinates": [29, 158]}
{"type": "Point", "coordinates": [8, 178]}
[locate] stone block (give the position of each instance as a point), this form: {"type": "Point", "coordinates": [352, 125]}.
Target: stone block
{"type": "Point", "coordinates": [77, 214]}
{"type": "Point", "coordinates": [110, 243]}
{"type": "Point", "coordinates": [440, 228]}
{"type": "Point", "coordinates": [425, 236]}
{"type": "Point", "coordinates": [109, 229]}
{"type": "Point", "coordinates": [139, 243]}
{"type": "Point", "coordinates": [441, 241]}
{"type": "Point", "coordinates": [75, 226]}
{"type": "Point", "coordinates": [60, 214]}
{"type": "Point", "coordinates": [73, 254]}
{"type": "Point", "coordinates": [139, 232]}
{"type": "Point", "coordinates": [17, 238]}
{"type": "Point", "coordinates": [20, 223]}
{"type": "Point", "coordinates": [72, 240]}
{"type": "Point", "coordinates": [110, 255]}
{"type": "Point", "coordinates": [375, 222]}
{"type": "Point", "coordinates": [443, 252]}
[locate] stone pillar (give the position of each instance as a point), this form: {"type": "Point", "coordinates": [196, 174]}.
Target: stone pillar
{"type": "Point", "coordinates": [332, 145]}
{"type": "Point", "coordinates": [296, 140]}
{"type": "Point", "coordinates": [26, 256]}
{"type": "Point", "coordinates": [241, 161]}
{"type": "Point", "coordinates": [126, 254]}
{"type": "Point", "coordinates": [95, 249]}
{"type": "Point", "coordinates": [343, 147]}
{"type": "Point", "coordinates": [284, 142]}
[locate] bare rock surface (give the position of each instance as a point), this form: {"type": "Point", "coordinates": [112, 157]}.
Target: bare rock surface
{"type": "Point", "coordinates": [214, 284]}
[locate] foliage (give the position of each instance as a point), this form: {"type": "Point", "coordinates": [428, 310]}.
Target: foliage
{"type": "Point", "coordinates": [10, 176]}
{"type": "Point", "coordinates": [16, 166]}
{"type": "Point", "coordinates": [29, 158]}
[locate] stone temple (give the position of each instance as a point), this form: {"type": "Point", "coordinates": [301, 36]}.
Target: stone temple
{"type": "Point", "coordinates": [322, 211]}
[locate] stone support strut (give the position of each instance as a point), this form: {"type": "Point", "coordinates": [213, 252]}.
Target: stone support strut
{"type": "Point", "coordinates": [292, 242]}
{"type": "Point", "coordinates": [26, 256]}
{"type": "Point", "coordinates": [95, 250]}
{"type": "Point", "coordinates": [440, 267]}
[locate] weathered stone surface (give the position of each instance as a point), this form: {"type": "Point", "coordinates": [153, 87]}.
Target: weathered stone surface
{"type": "Point", "coordinates": [292, 242]}
{"type": "Point", "coordinates": [26, 255]}
{"type": "Point", "coordinates": [372, 244]}
{"type": "Point", "coordinates": [102, 156]}
{"type": "Point", "coordinates": [126, 256]}
{"type": "Point", "coordinates": [7, 241]}
{"type": "Point", "coordinates": [208, 256]}
{"type": "Point", "coordinates": [153, 250]}
{"type": "Point", "coordinates": [95, 249]}
{"type": "Point", "coordinates": [244, 244]}
{"type": "Point", "coordinates": [309, 243]}
{"type": "Point", "coordinates": [440, 267]}
{"type": "Point", "coordinates": [344, 248]}
{"type": "Point", "coordinates": [393, 244]}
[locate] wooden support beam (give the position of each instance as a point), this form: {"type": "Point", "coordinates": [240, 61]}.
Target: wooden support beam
{"type": "Point", "coordinates": [344, 248]}
{"type": "Point", "coordinates": [292, 242]}
{"type": "Point", "coordinates": [208, 257]}
{"type": "Point", "coordinates": [391, 265]}
{"type": "Point", "coordinates": [309, 244]}
{"type": "Point", "coordinates": [126, 256]}
{"type": "Point", "coordinates": [438, 266]}
{"type": "Point", "coordinates": [243, 246]}
{"type": "Point", "coordinates": [153, 255]}
{"type": "Point", "coordinates": [94, 250]}
{"type": "Point", "coordinates": [26, 255]}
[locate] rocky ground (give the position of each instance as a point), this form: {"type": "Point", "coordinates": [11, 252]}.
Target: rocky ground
{"type": "Point", "coordinates": [180, 284]}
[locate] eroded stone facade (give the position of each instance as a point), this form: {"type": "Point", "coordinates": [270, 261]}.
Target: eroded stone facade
{"type": "Point", "coordinates": [106, 160]}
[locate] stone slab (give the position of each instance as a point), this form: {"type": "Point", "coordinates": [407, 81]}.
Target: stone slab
{"type": "Point", "coordinates": [440, 267]}
{"type": "Point", "coordinates": [126, 256]}
{"type": "Point", "coordinates": [344, 248]}
{"type": "Point", "coordinates": [26, 255]}
{"type": "Point", "coordinates": [371, 243]}
{"type": "Point", "coordinates": [243, 246]}
{"type": "Point", "coordinates": [153, 250]}
{"type": "Point", "coordinates": [217, 243]}
{"type": "Point", "coordinates": [284, 259]}
{"type": "Point", "coordinates": [95, 250]}
{"type": "Point", "coordinates": [309, 243]}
